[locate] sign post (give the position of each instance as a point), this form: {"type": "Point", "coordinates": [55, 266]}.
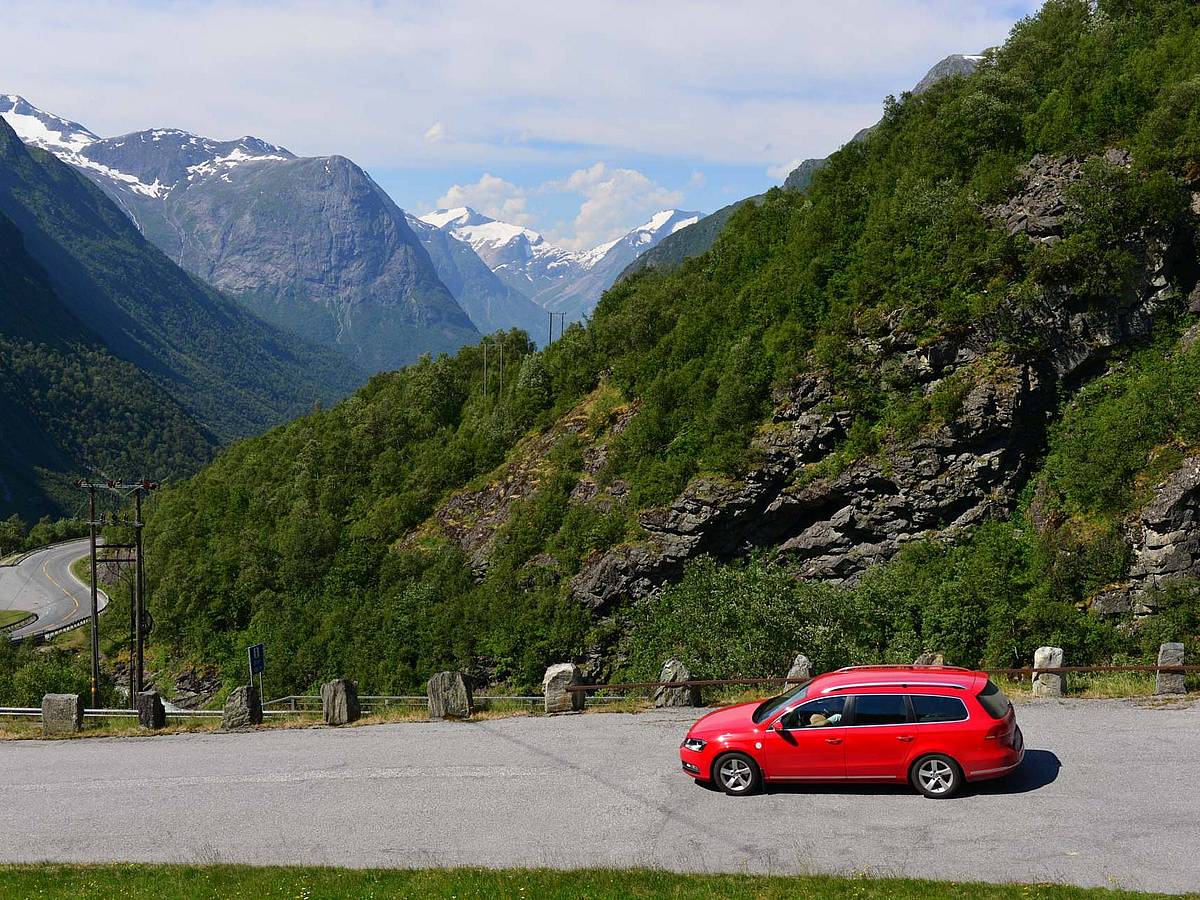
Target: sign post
{"type": "Point", "coordinates": [257, 655]}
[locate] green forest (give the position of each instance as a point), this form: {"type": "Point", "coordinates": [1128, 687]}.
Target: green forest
{"type": "Point", "coordinates": [311, 537]}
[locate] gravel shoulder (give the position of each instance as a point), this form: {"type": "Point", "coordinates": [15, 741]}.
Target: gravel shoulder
{"type": "Point", "coordinates": [1109, 796]}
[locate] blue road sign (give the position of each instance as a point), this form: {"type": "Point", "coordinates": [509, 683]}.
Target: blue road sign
{"type": "Point", "coordinates": [257, 658]}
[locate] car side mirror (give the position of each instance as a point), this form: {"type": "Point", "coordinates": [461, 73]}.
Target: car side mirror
{"type": "Point", "coordinates": [777, 725]}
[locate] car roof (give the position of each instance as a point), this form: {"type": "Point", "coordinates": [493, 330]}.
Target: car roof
{"type": "Point", "coordinates": [926, 679]}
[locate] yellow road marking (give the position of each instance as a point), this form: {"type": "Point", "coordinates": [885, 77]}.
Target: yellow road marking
{"type": "Point", "coordinates": [67, 593]}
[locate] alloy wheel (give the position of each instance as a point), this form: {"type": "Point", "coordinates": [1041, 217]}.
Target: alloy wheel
{"type": "Point", "coordinates": [936, 776]}
{"type": "Point", "coordinates": [736, 775]}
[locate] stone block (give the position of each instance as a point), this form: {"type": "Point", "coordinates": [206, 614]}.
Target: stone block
{"type": "Point", "coordinates": [242, 709]}
{"type": "Point", "coordinates": [801, 669]}
{"type": "Point", "coordinates": [151, 712]}
{"type": "Point", "coordinates": [674, 670]}
{"type": "Point", "coordinates": [450, 696]}
{"type": "Point", "coordinates": [62, 713]}
{"type": "Point", "coordinates": [1170, 682]}
{"type": "Point", "coordinates": [1047, 684]}
{"type": "Point", "coordinates": [554, 688]}
{"type": "Point", "coordinates": [339, 702]}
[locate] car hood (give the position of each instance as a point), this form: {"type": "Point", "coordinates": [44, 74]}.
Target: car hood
{"type": "Point", "coordinates": [727, 719]}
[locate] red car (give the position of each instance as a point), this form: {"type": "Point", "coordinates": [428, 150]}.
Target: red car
{"type": "Point", "coordinates": [932, 726]}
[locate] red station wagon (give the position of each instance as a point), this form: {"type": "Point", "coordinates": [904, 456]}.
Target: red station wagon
{"type": "Point", "coordinates": [932, 726]}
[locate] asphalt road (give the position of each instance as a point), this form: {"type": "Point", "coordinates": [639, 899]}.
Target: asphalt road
{"type": "Point", "coordinates": [1109, 794]}
{"type": "Point", "coordinates": [43, 584]}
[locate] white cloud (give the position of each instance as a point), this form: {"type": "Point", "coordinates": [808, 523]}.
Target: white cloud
{"type": "Point", "coordinates": [491, 196]}
{"type": "Point", "coordinates": [614, 200]}
{"type": "Point", "coordinates": [366, 77]}
{"type": "Point", "coordinates": [697, 180]}
{"type": "Point", "coordinates": [436, 133]}
{"type": "Point", "coordinates": [783, 170]}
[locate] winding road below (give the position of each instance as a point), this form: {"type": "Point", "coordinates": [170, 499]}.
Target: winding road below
{"type": "Point", "coordinates": [43, 583]}
{"type": "Point", "coordinates": [1109, 794]}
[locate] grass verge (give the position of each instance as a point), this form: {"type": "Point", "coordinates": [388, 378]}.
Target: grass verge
{"type": "Point", "coordinates": [221, 881]}
{"type": "Point", "coordinates": [12, 616]}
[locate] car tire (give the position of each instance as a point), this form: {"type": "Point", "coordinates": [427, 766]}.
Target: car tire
{"type": "Point", "coordinates": [737, 774]}
{"type": "Point", "coordinates": [937, 776]}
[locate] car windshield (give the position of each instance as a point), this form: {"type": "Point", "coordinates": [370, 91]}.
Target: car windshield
{"type": "Point", "coordinates": [769, 707]}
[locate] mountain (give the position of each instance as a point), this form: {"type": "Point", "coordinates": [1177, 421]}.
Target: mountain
{"type": "Point", "coordinates": [234, 374]}
{"type": "Point", "coordinates": [70, 407]}
{"type": "Point", "coordinates": [491, 304]}
{"type": "Point", "coordinates": [942, 400]}
{"type": "Point", "coordinates": [692, 241]}
{"type": "Point", "coordinates": [310, 244]}
{"type": "Point", "coordinates": [557, 279]}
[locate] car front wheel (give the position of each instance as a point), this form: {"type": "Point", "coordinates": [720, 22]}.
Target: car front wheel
{"type": "Point", "coordinates": [936, 776]}
{"type": "Point", "coordinates": [737, 774]}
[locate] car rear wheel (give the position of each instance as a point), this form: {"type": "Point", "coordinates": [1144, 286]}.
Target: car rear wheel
{"type": "Point", "coordinates": [737, 774]}
{"type": "Point", "coordinates": [936, 776]}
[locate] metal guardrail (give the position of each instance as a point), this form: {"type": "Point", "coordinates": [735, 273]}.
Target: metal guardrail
{"type": "Point", "coordinates": [725, 682]}
{"type": "Point", "coordinates": [21, 623]}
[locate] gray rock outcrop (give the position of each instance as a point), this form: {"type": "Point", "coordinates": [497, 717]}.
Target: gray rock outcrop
{"type": "Point", "coordinates": [62, 713]}
{"type": "Point", "coordinates": [1047, 684]}
{"type": "Point", "coordinates": [1170, 654]}
{"type": "Point", "coordinates": [689, 695]}
{"type": "Point", "coordinates": [451, 696]}
{"type": "Point", "coordinates": [930, 658]}
{"type": "Point", "coordinates": [1165, 538]}
{"type": "Point", "coordinates": [339, 702]}
{"type": "Point", "coordinates": [554, 688]}
{"type": "Point", "coordinates": [801, 669]}
{"type": "Point", "coordinates": [243, 708]}
{"type": "Point", "coordinates": [151, 712]}
{"type": "Point", "coordinates": [832, 519]}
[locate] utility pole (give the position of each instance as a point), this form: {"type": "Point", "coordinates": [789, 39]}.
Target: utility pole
{"type": "Point", "coordinates": [137, 608]}
{"type": "Point", "coordinates": [485, 368]}
{"type": "Point", "coordinates": [91, 489]}
{"type": "Point", "coordinates": [550, 337]}
{"type": "Point", "coordinates": [139, 586]}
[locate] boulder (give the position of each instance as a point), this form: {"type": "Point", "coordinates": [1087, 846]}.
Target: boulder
{"type": "Point", "coordinates": [801, 669]}
{"type": "Point", "coordinates": [243, 708]}
{"type": "Point", "coordinates": [1170, 682]}
{"type": "Point", "coordinates": [62, 713]}
{"type": "Point", "coordinates": [554, 687]}
{"type": "Point", "coordinates": [151, 712]}
{"type": "Point", "coordinates": [1047, 684]}
{"type": "Point", "coordinates": [1166, 539]}
{"type": "Point", "coordinates": [930, 658]}
{"type": "Point", "coordinates": [450, 696]}
{"type": "Point", "coordinates": [339, 702]}
{"type": "Point", "coordinates": [674, 670]}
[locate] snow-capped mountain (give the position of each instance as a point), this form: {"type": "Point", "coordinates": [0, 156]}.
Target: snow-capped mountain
{"type": "Point", "coordinates": [560, 280]}
{"type": "Point", "coordinates": [309, 243]}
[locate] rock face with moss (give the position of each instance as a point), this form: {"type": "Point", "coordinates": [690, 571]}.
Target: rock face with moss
{"type": "Point", "coordinates": [831, 515]}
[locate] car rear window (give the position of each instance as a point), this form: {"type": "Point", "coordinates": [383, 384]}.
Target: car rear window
{"type": "Point", "coordinates": [937, 709]}
{"type": "Point", "coordinates": [994, 701]}
{"type": "Point", "coordinates": [880, 709]}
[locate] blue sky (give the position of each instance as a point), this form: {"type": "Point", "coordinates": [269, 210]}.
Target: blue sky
{"type": "Point", "coordinates": [578, 120]}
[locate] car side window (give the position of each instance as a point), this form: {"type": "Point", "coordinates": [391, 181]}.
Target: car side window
{"type": "Point", "coordinates": [937, 709]}
{"type": "Point", "coordinates": [880, 709]}
{"type": "Point", "coordinates": [820, 713]}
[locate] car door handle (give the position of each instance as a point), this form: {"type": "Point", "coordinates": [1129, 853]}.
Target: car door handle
{"type": "Point", "coordinates": [905, 737]}
{"type": "Point", "coordinates": [833, 740]}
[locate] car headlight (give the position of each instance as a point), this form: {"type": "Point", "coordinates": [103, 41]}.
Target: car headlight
{"type": "Point", "coordinates": [694, 744]}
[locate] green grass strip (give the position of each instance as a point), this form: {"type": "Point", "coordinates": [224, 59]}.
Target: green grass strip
{"type": "Point", "coordinates": [224, 881]}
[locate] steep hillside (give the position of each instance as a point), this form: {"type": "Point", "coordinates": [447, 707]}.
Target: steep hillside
{"type": "Point", "coordinates": [312, 245]}
{"type": "Point", "coordinates": [68, 406]}
{"type": "Point", "coordinates": [943, 399]}
{"type": "Point", "coordinates": [233, 373]}
{"type": "Point", "coordinates": [697, 238]}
